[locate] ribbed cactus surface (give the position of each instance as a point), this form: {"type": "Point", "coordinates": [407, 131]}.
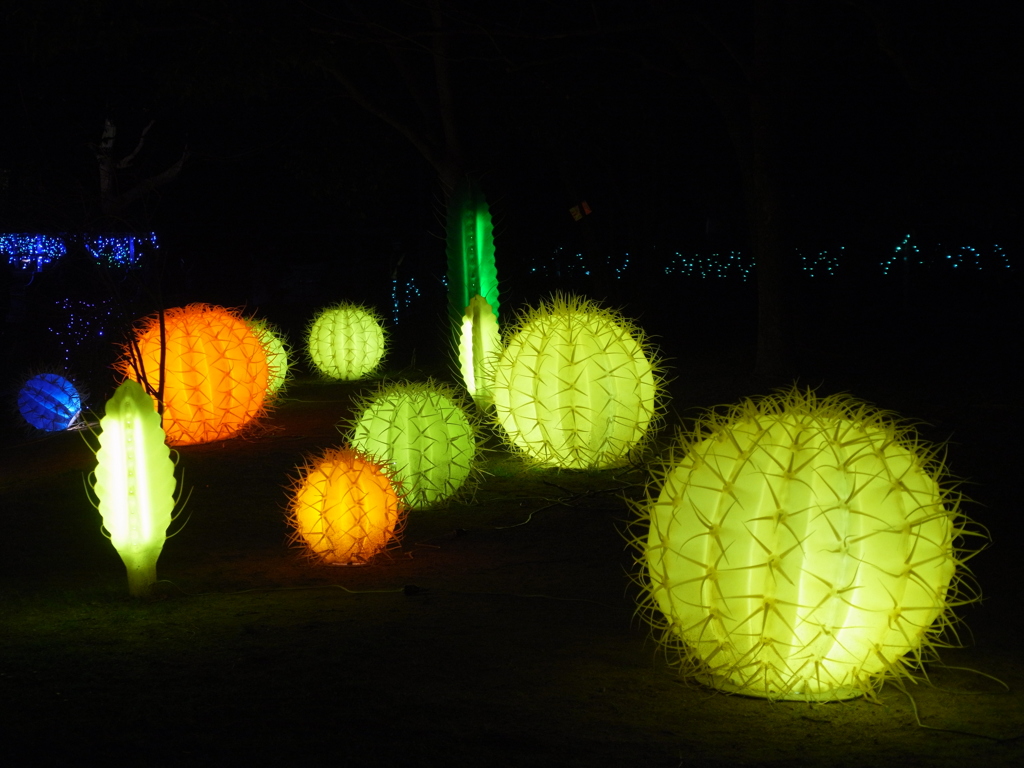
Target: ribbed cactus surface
{"type": "Point", "coordinates": [424, 432]}
{"type": "Point", "coordinates": [134, 483]}
{"type": "Point", "coordinates": [576, 385]}
{"type": "Point", "coordinates": [214, 371]}
{"type": "Point", "coordinates": [346, 341]}
{"type": "Point", "coordinates": [344, 508]}
{"type": "Point", "coordinates": [802, 548]}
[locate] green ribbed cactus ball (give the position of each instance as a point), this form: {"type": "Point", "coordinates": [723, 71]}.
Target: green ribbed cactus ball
{"type": "Point", "coordinates": [424, 432]}
{"type": "Point", "coordinates": [803, 548]}
{"type": "Point", "coordinates": [576, 386]}
{"type": "Point", "coordinates": [346, 341]}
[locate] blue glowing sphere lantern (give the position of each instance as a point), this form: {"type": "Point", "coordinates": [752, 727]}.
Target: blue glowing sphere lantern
{"type": "Point", "coordinates": [49, 402]}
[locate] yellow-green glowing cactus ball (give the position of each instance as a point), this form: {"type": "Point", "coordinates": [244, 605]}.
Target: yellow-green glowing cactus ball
{"type": "Point", "coordinates": [277, 351]}
{"type": "Point", "coordinates": [576, 386]}
{"type": "Point", "coordinates": [803, 548]}
{"type": "Point", "coordinates": [424, 432]}
{"type": "Point", "coordinates": [346, 341]}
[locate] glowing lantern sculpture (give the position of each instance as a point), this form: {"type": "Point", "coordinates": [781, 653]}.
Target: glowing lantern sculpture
{"type": "Point", "coordinates": [472, 284]}
{"type": "Point", "coordinates": [424, 432]}
{"type": "Point", "coordinates": [215, 369]}
{"type": "Point", "coordinates": [134, 483]}
{"type": "Point", "coordinates": [576, 386]}
{"type": "Point", "coordinates": [470, 239]}
{"type": "Point", "coordinates": [479, 345]}
{"type": "Point", "coordinates": [803, 548]}
{"type": "Point", "coordinates": [50, 402]}
{"type": "Point", "coordinates": [344, 508]}
{"type": "Point", "coordinates": [277, 352]}
{"type": "Point", "coordinates": [346, 341]}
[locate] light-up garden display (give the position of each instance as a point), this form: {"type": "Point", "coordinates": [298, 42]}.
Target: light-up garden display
{"type": "Point", "coordinates": [134, 483]}
{"type": "Point", "coordinates": [479, 345]}
{"type": "Point", "coordinates": [344, 508]}
{"type": "Point", "coordinates": [215, 371]}
{"type": "Point", "coordinates": [576, 385]}
{"type": "Point", "coordinates": [276, 348]}
{"type": "Point", "coordinates": [50, 402]}
{"type": "Point", "coordinates": [346, 341]}
{"type": "Point", "coordinates": [802, 548]}
{"type": "Point", "coordinates": [424, 432]}
{"type": "Point", "coordinates": [470, 239]}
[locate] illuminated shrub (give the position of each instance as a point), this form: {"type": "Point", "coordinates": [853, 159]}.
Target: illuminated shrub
{"type": "Point", "coordinates": [344, 508]}
{"type": "Point", "coordinates": [346, 341]}
{"type": "Point", "coordinates": [424, 433]}
{"type": "Point", "coordinates": [215, 371]}
{"type": "Point", "coordinates": [50, 402]}
{"type": "Point", "coordinates": [802, 548]}
{"type": "Point", "coordinates": [575, 387]}
{"type": "Point", "coordinates": [134, 483]}
{"type": "Point", "coordinates": [276, 349]}
{"type": "Point", "coordinates": [478, 346]}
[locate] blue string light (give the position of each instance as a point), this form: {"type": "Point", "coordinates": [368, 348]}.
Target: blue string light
{"type": "Point", "coordinates": [83, 320]}
{"type": "Point", "coordinates": [732, 264]}
{"type": "Point", "coordinates": [31, 253]}
{"type": "Point", "coordinates": [403, 296]}
{"type": "Point", "coordinates": [34, 252]}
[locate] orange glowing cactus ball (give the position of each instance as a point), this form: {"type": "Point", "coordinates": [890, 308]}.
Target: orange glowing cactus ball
{"type": "Point", "coordinates": [216, 375]}
{"type": "Point", "coordinates": [346, 341]}
{"type": "Point", "coordinates": [344, 508]}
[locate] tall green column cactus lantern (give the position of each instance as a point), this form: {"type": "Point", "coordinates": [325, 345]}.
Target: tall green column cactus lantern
{"type": "Point", "coordinates": [134, 483]}
{"type": "Point", "coordinates": [803, 548]}
{"type": "Point", "coordinates": [470, 236]}
{"type": "Point", "coordinates": [472, 282]}
{"type": "Point", "coordinates": [424, 433]}
{"type": "Point", "coordinates": [576, 386]}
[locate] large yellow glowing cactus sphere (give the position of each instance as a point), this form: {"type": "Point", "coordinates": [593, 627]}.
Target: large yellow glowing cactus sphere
{"type": "Point", "coordinates": [575, 386]}
{"type": "Point", "coordinates": [346, 341]}
{"type": "Point", "coordinates": [344, 508]}
{"type": "Point", "coordinates": [215, 371]}
{"type": "Point", "coordinates": [802, 548]}
{"type": "Point", "coordinates": [424, 432]}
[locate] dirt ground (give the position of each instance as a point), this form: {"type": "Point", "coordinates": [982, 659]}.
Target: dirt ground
{"type": "Point", "coordinates": [502, 632]}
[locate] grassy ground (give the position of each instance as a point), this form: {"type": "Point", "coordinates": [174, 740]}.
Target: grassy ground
{"type": "Point", "coordinates": [503, 632]}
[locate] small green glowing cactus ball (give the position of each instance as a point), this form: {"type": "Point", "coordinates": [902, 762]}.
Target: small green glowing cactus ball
{"type": "Point", "coordinates": [424, 432]}
{"type": "Point", "coordinates": [346, 341]}
{"type": "Point", "coordinates": [576, 385]}
{"type": "Point", "coordinates": [803, 548]}
{"type": "Point", "coordinates": [277, 351]}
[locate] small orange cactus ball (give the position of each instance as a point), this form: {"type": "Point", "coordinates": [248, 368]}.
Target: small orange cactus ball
{"type": "Point", "coordinates": [215, 371]}
{"type": "Point", "coordinates": [344, 508]}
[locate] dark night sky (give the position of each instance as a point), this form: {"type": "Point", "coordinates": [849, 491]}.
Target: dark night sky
{"type": "Point", "coordinates": [916, 129]}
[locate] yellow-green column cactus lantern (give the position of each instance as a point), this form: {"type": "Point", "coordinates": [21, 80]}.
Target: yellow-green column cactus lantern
{"type": "Point", "coordinates": [134, 483]}
{"type": "Point", "coordinates": [479, 344]}
{"type": "Point", "coordinates": [803, 548]}
{"type": "Point", "coordinates": [424, 432]}
{"type": "Point", "coordinates": [576, 385]}
{"type": "Point", "coordinates": [344, 508]}
{"type": "Point", "coordinates": [346, 341]}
